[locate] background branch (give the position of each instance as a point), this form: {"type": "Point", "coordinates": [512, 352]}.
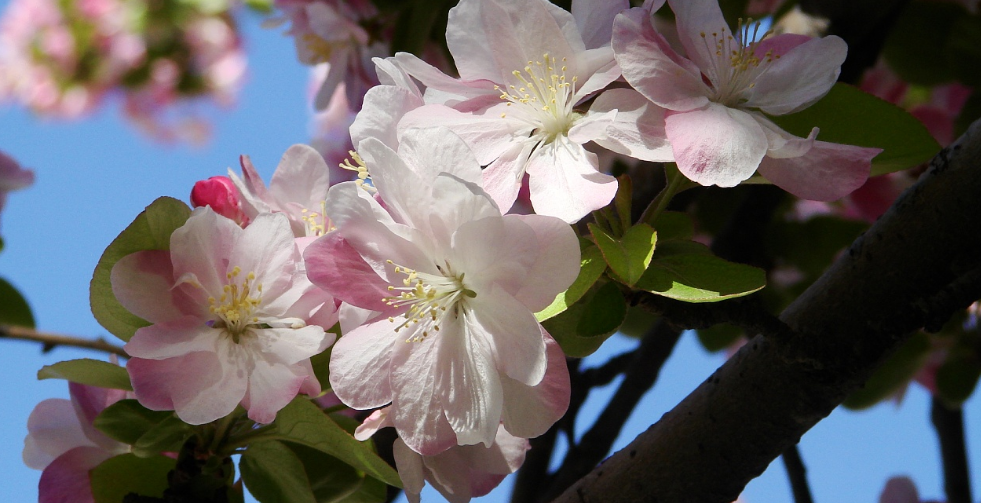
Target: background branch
{"type": "Point", "coordinates": [797, 474]}
{"type": "Point", "coordinates": [949, 424]}
{"type": "Point", "coordinates": [772, 391]}
{"type": "Point", "coordinates": [50, 341]}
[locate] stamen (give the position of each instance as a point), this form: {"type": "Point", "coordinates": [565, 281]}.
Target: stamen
{"type": "Point", "coordinates": [361, 169]}
{"type": "Point", "coordinates": [236, 307]}
{"type": "Point", "coordinates": [429, 297]}
{"type": "Point", "coordinates": [546, 97]}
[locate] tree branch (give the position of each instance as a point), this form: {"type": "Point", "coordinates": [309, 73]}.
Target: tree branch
{"type": "Point", "coordinates": [849, 321]}
{"type": "Point", "coordinates": [50, 341]}
{"type": "Point", "coordinates": [797, 474]}
{"type": "Point", "coordinates": [949, 424]}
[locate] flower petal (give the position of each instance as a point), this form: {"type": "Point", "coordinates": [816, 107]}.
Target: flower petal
{"type": "Point", "coordinates": [53, 429]}
{"type": "Point", "coordinates": [360, 363]}
{"type": "Point", "coordinates": [67, 478]}
{"type": "Point", "coordinates": [564, 181]}
{"type": "Point", "coordinates": [486, 133]}
{"type": "Point", "coordinates": [175, 338]}
{"type": "Point", "coordinates": [638, 130]}
{"type": "Point", "coordinates": [502, 178]}
{"type": "Point", "coordinates": [409, 465]}
{"type": "Point", "coordinates": [595, 19]}
{"type": "Point", "coordinates": [302, 177]}
{"type": "Point", "coordinates": [716, 145]}
{"type": "Point", "coordinates": [417, 402]}
{"type": "Point", "coordinates": [800, 77]}
{"type": "Point", "coordinates": [266, 248]}
{"type": "Point", "coordinates": [512, 334]}
{"type": "Point", "coordinates": [143, 283]}
{"type": "Point", "coordinates": [201, 247]}
{"type": "Point", "coordinates": [434, 150]}
{"type": "Point", "coordinates": [530, 411]}
{"type": "Point", "coordinates": [333, 265]}
{"type": "Point", "coordinates": [557, 262]}
{"type": "Point", "coordinates": [384, 107]}
{"type": "Point", "coordinates": [827, 172]}
{"type": "Point", "coordinates": [271, 387]}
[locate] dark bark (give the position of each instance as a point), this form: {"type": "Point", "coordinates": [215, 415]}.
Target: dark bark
{"type": "Point", "coordinates": [917, 265]}
{"type": "Point", "coordinates": [949, 424]}
{"type": "Point", "coordinates": [797, 474]}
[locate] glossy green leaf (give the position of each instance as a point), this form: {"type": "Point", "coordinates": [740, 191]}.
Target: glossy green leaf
{"type": "Point", "coordinates": [124, 474]}
{"type": "Point", "coordinates": [14, 309]}
{"type": "Point", "coordinates": [582, 328]}
{"type": "Point", "coordinates": [695, 275]}
{"type": "Point", "coordinates": [592, 267]}
{"type": "Point", "coordinates": [915, 47]}
{"type": "Point", "coordinates": [850, 116]}
{"type": "Point", "coordinates": [167, 435]}
{"type": "Point", "coordinates": [958, 377]}
{"type": "Point", "coordinates": [370, 491]}
{"type": "Point", "coordinates": [274, 474]}
{"type": "Point", "coordinates": [127, 420]}
{"type": "Point", "coordinates": [629, 256]}
{"type": "Point", "coordinates": [330, 478]}
{"type": "Point", "coordinates": [150, 230]}
{"type": "Point", "coordinates": [90, 372]}
{"type": "Point", "coordinates": [302, 422]}
{"type": "Point", "coordinates": [893, 374]}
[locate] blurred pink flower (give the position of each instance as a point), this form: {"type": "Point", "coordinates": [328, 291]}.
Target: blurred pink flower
{"type": "Point", "coordinates": [62, 441]}
{"type": "Point", "coordinates": [12, 177]}
{"type": "Point", "coordinates": [901, 490]}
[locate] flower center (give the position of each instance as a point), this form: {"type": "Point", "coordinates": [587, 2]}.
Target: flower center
{"type": "Point", "coordinates": [238, 302]}
{"type": "Point", "coordinates": [359, 167]}
{"type": "Point", "coordinates": [317, 223]}
{"type": "Point", "coordinates": [736, 65]}
{"type": "Point", "coordinates": [544, 96]}
{"type": "Point", "coordinates": [429, 297]}
{"type": "Point", "coordinates": [319, 48]}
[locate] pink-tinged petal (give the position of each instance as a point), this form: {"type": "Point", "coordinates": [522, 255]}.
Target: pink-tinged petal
{"type": "Point", "coordinates": [502, 178]}
{"type": "Point", "coordinates": [417, 404]}
{"type": "Point", "coordinates": [384, 107]}
{"type": "Point", "coordinates": [564, 181]}
{"type": "Point", "coordinates": [88, 402]}
{"type": "Point", "coordinates": [265, 248]}
{"type": "Point", "coordinates": [251, 188]}
{"type": "Point", "coordinates": [402, 189]}
{"type": "Point", "coordinates": [504, 250]}
{"type": "Point", "coordinates": [695, 18]}
{"type": "Point", "coordinates": [512, 333]}
{"type": "Point", "coordinates": [288, 346]}
{"type": "Point", "coordinates": [410, 468]}
{"type": "Point", "coordinates": [899, 490]}
{"type": "Point", "coordinates": [486, 133]}
{"type": "Point", "coordinates": [271, 387]}
{"type": "Point", "coordinates": [467, 380]}
{"type": "Point", "coordinates": [66, 479]}
{"type": "Point", "coordinates": [390, 73]}
{"type": "Point", "coordinates": [351, 317]}
{"type": "Point", "coordinates": [201, 247]}
{"type": "Point", "coordinates": [377, 420]}
{"type": "Point", "coordinates": [595, 19]}
{"type": "Point", "coordinates": [469, 203]}
{"type": "Point", "coordinates": [434, 150]}
{"type": "Point", "coordinates": [204, 402]}
{"type": "Point", "coordinates": [716, 145]}
{"type": "Point", "coordinates": [12, 176]}
{"type": "Point", "coordinates": [449, 87]}
{"type": "Point", "coordinates": [196, 385]}
{"type": "Point", "coordinates": [652, 67]}
{"type": "Point", "coordinates": [302, 176]}
{"type": "Point", "coordinates": [174, 338]}
{"type": "Point", "coordinates": [800, 77]}
{"type": "Point", "coordinates": [557, 262]}
{"type": "Point", "coordinates": [638, 130]}
{"type": "Point", "coordinates": [592, 125]}
{"type": "Point", "coordinates": [53, 429]}
{"type": "Point", "coordinates": [333, 265]}
{"type": "Point", "coordinates": [450, 474]}
{"type": "Point", "coordinates": [360, 363]}
{"type": "Point", "coordinates": [530, 411]}
{"type": "Point", "coordinates": [827, 172]}
{"type": "Point", "coordinates": [597, 68]}
{"type": "Point", "coordinates": [143, 283]}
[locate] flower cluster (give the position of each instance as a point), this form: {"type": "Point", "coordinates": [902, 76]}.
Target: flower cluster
{"type": "Point", "coordinates": [63, 58]}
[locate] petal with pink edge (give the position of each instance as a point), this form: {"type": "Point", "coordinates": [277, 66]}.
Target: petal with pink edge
{"type": "Point", "coordinates": [827, 172]}
{"type": "Point", "coordinates": [333, 265]}
{"type": "Point", "coordinates": [53, 429]}
{"type": "Point", "coordinates": [360, 363]}
{"type": "Point", "coordinates": [530, 411]}
{"type": "Point", "coordinates": [384, 107]}
{"type": "Point", "coordinates": [302, 176]}
{"type": "Point", "coordinates": [486, 133]}
{"type": "Point", "coordinates": [800, 77]}
{"type": "Point", "coordinates": [143, 283]}
{"type": "Point", "coordinates": [201, 247]}
{"type": "Point", "coordinates": [434, 150]}
{"type": "Point", "coordinates": [417, 403]}
{"type": "Point", "coordinates": [595, 19]}
{"type": "Point", "coordinates": [67, 478]}
{"type": "Point", "coordinates": [171, 339]}
{"type": "Point", "coordinates": [564, 181]}
{"type": "Point", "coordinates": [271, 386]}
{"type": "Point", "coordinates": [638, 130]}
{"type": "Point", "coordinates": [716, 145]}
{"type": "Point", "coordinates": [512, 334]}
{"type": "Point", "coordinates": [409, 465]}
{"type": "Point", "coordinates": [502, 178]}
{"type": "Point", "coordinates": [694, 19]}
{"type": "Point", "coordinates": [556, 265]}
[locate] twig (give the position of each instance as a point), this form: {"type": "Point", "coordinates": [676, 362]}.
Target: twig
{"type": "Point", "coordinates": [797, 474]}
{"type": "Point", "coordinates": [949, 424]}
{"type": "Point", "coordinates": [50, 341]}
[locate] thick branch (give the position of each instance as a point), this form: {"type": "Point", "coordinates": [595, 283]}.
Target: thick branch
{"type": "Point", "coordinates": [949, 424]}
{"type": "Point", "coordinates": [772, 391]}
{"type": "Point", "coordinates": [49, 341]}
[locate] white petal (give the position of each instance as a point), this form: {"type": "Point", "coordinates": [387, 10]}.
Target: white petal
{"type": "Point", "coordinates": [638, 130]}
{"type": "Point", "coordinates": [360, 363]}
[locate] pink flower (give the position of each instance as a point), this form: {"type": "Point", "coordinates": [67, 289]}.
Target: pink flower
{"type": "Point", "coordinates": [12, 177]}
{"type": "Point", "coordinates": [457, 349]}
{"type": "Point", "coordinates": [718, 97]}
{"type": "Point", "coordinates": [526, 68]}
{"type": "Point", "coordinates": [220, 194]}
{"type": "Point", "coordinates": [62, 441]}
{"type": "Point", "coordinates": [459, 473]}
{"type": "Point", "coordinates": [230, 312]}
{"type": "Point", "coordinates": [901, 490]}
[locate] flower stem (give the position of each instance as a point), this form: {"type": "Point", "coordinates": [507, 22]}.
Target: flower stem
{"type": "Point", "coordinates": [675, 182]}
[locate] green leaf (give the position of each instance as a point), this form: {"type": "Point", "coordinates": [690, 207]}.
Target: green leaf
{"type": "Point", "coordinates": [958, 377]}
{"type": "Point", "coordinates": [699, 276]}
{"type": "Point", "coordinates": [370, 491]}
{"type": "Point", "coordinates": [330, 478]}
{"type": "Point", "coordinates": [629, 256]}
{"type": "Point", "coordinates": [88, 371]}
{"type": "Point", "coordinates": [166, 436]}
{"type": "Point", "coordinates": [893, 374]}
{"type": "Point", "coordinates": [582, 328]}
{"type": "Point", "coordinates": [674, 225]}
{"type": "Point", "coordinates": [260, 6]}
{"type": "Point", "coordinates": [963, 50]}
{"type": "Point", "coordinates": [850, 116]}
{"type": "Point", "coordinates": [274, 474]}
{"type": "Point", "coordinates": [591, 269]}
{"type": "Point", "coordinates": [916, 43]}
{"type": "Point", "coordinates": [302, 422]}
{"type": "Point", "coordinates": [124, 474]}
{"type": "Point", "coordinates": [127, 420]}
{"type": "Point", "coordinates": [14, 309]}
{"type": "Point", "coordinates": [150, 230]}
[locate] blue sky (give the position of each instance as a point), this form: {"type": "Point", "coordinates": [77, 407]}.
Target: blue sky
{"type": "Point", "coordinates": [94, 176]}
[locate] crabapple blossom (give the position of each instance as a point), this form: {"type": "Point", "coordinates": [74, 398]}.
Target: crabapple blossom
{"type": "Point", "coordinates": [12, 177]}
{"type": "Point", "coordinates": [220, 194]}
{"type": "Point", "coordinates": [459, 473]}
{"type": "Point", "coordinates": [718, 97]}
{"type": "Point", "coordinates": [526, 69]}
{"type": "Point", "coordinates": [62, 441]}
{"type": "Point", "coordinates": [457, 349]}
{"type": "Point", "coordinates": [234, 319]}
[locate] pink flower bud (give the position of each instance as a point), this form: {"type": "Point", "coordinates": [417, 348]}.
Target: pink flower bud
{"type": "Point", "coordinates": [220, 193]}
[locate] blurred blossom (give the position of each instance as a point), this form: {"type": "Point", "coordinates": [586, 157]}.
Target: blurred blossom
{"type": "Point", "coordinates": [12, 177]}
{"type": "Point", "coordinates": [61, 59]}
{"type": "Point", "coordinates": [329, 127]}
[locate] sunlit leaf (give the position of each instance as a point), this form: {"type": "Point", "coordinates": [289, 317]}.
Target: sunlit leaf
{"type": "Point", "coordinates": [90, 372]}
